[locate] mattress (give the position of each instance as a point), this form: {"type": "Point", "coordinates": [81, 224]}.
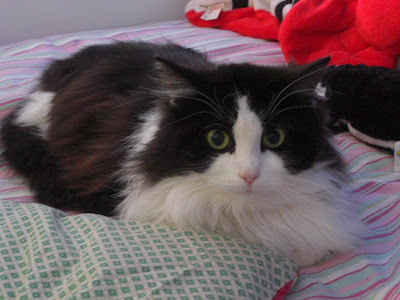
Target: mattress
{"type": "Point", "coordinates": [371, 272]}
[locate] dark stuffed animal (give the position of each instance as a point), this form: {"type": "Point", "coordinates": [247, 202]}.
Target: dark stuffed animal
{"type": "Point", "coordinates": [366, 100]}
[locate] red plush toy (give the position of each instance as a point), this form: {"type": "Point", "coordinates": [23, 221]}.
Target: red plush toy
{"type": "Point", "coordinates": [350, 31]}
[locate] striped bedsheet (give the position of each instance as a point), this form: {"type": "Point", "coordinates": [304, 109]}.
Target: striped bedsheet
{"type": "Point", "coordinates": [372, 272]}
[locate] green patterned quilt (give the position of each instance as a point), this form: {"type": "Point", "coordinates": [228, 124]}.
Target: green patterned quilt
{"type": "Point", "coordinates": [46, 254]}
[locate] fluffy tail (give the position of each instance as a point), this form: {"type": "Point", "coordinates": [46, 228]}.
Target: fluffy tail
{"type": "Point", "coordinates": [29, 154]}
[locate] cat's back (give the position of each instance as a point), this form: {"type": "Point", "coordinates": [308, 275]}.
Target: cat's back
{"type": "Point", "coordinates": [131, 62]}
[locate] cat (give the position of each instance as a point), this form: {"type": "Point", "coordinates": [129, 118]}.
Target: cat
{"type": "Point", "coordinates": [159, 133]}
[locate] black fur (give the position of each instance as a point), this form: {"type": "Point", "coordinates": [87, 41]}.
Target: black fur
{"type": "Point", "coordinates": [367, 97]}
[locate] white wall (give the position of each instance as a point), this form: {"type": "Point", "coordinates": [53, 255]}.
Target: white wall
{"type": "Point", "coordinates": [26, 19]}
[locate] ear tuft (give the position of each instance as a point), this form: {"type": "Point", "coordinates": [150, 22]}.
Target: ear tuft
{"type": "Point", "coordinates": [174, 85]}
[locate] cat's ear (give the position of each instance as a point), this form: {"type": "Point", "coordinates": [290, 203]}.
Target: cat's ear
{"type": "Point", "coordinates": [310, 76]}
{"type": "Point", "coordinates": [180, 80]}
{"type": "Point", "coordinates": [310, 68]}
{"type": "Point", "coordinates": [315, 70]}
{"type": "Point", "coordinates": [317, 65]}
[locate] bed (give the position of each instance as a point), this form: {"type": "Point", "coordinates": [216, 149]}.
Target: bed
{"type": "Point", "coordinates": [371, 272]}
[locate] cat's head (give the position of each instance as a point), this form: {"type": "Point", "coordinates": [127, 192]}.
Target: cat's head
{"type": "Point", "coordinates": [237, 129]}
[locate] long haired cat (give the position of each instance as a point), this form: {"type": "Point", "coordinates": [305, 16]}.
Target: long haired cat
{"type": "Point", "coordinates": [158, 133]}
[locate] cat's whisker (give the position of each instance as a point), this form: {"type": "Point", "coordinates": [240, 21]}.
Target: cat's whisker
{"type": "Point", "coordinates": [230, 115]}
{"type": "Point", "coordinates": [214, 125]}
{"type": "Point", "coordinates": [189, 92]}
{"type": "Point", "coordinates": [189, 116]}
{"type": "Point", "coordinates": [221, 104]}
{"type": "Point", "coordinates": [301, 180]}
{"type": "Point", "coordinates": [293, 194]}
{"type": "Point", "coordinates": [298, 79]}
{"type": "Point", "coordinates": [303, 195]}
{"type": "Point", "coordinates": [290, 108]}
{"type": "Point", "coordinates": [227, 97]}
{"type": "Point", "coordinates": [322, 192]}
{"type": "Point", "coordinates": [150, 92]}
{"type": "Point", "coordinates": [216, 105]}
{"type": "Point", "coordinates": [199, 187]}
{"type": "Point", "coordinates": [288, 197]}
{"type": "Point", "coordinates": [296, 193]}
{"type": "Point", "coordinates": [193, 188]}
{"type": "Point", "coordinates": [211, 105]}
{"type": "Point", "coordinates": [199, 177]}
{"type": "Point", "coordinates": [273, 107]}
{"type": "Point", "coordinates": [132, 101]}
{"type": "Point", "coordinates": [213, 101]}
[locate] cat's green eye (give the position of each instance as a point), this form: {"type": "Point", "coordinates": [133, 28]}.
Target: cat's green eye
{"type": "Point", "coordinates": [273, 138]}
{"type": "Point", "coordinates": [218, 139]}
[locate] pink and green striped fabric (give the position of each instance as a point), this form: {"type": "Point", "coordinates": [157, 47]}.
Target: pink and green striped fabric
{"type": "Point", "coordinates": [372, 272]}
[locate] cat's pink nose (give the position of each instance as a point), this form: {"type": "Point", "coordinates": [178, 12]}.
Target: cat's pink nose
{"type": "Point", "coordinates": [249, 178]}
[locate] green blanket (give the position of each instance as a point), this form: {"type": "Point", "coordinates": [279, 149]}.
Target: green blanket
{"type": "Point", "coordinates": [46, 254]}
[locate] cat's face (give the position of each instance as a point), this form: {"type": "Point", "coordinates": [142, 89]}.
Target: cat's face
{"type": "Point", "coordinates": [248, 163]}
{"type": "Point", "coordinates": [242, 131]}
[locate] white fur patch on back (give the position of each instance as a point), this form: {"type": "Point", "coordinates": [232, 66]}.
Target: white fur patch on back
{"type": "Point", "coordinates": [149, 126]}
{"type": "Point", "coordinates": [136, 143]}
{"type": "Point", "coordinates": [35, 111]}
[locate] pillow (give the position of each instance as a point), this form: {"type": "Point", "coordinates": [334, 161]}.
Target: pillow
{"type": "Point", "coordinates": [47, 254]}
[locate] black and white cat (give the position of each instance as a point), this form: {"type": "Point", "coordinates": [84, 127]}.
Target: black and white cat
{"type": "Point", "coordinates": [158, 133]}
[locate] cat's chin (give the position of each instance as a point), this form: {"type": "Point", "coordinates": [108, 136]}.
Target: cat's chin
{"type": "Point", "coordinates": [239, 190]}
{"type": "Point", "coordinates": [254, 197]}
